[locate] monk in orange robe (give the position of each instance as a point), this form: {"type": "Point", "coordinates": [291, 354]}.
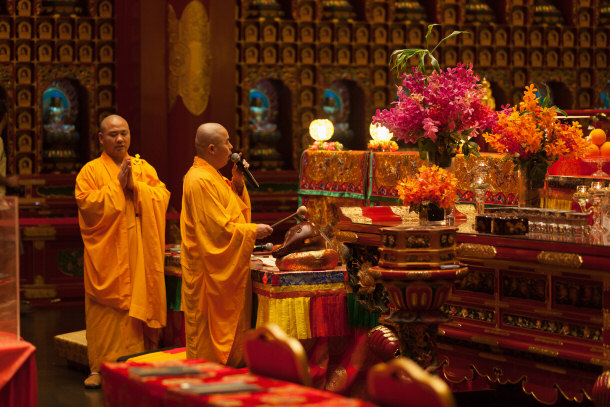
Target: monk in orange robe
{"type": "Point", "coordinates": [121, 213]}
{"type": "Point", "coordinates": [217, 241]}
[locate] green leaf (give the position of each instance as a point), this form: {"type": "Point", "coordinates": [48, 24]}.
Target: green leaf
{"type": "Point", "coordinates": [453, 34]}
{"type": "Point", "coordinates": [430, 27]}
{"type": "Point", "coordinates": [547, 97]}
{"type": "Point", "coordinates": [473, 148]}
{"type": "Point", "coordinates": [465, 149]}
{"type": "Point", "coordinates": [401, 57]}
{"type": "Point", "coordinates": [560, 111]}
{"type": "Point", "coordinates": [422, 65]}
{"type": "Point", "coordinates": [434, 63]}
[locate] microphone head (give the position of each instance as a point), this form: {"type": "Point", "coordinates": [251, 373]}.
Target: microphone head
{"type": "Point", "coordinates": [235, 158]}
{"type": "Point", "coordinates": [302, 211]}
{"type": "Point", "coordinates": [268, 246]}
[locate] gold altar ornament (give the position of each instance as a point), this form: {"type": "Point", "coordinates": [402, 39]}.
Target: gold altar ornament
{"type": "Point", "coordinates": [571, 260]}
{"type": "Point", "coordinates": [380, 133]}
{"type": "Point", "coordinates": [321, 129]}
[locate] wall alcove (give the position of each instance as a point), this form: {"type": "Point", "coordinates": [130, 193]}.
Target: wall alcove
{"type": "Point", "coordinates": [269, 119]}
{"type": "Point", "coordinates": [65, 125]}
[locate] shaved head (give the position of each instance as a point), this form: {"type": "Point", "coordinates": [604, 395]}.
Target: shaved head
{"type": "Point", "coordinates": [110, 119]}
{"type": "Point", "coordinates": [114, 137]}
{"type": "Point", "coordinates": [213, 145]}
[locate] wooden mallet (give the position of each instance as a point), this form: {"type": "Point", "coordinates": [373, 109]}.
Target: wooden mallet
{"type": "Point", "coordinates": [300, 213]}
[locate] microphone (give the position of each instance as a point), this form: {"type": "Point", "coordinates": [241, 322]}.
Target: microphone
{"type": "Point", "coordinates": [240, 164]}
{"type": "Point", "coordinates": [267, 247]}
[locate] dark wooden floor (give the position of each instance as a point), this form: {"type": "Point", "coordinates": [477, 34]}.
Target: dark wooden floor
{"type": "Point", "coordinates": [58, 385]}
{"type": "Point", "coordinates": [62, 386]}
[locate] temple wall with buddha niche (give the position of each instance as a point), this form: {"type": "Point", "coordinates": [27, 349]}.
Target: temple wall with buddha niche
{"type": "Point", "coordinates": [310, 46]}
{"type": "Point", "coordinates": [57, 74]}
{"type": "Point", "coordinates": [57, 66]}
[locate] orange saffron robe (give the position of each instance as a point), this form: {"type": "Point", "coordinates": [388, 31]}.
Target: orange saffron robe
{"type": "Point", "coordinates": [217, 241]}
{"type": "Point", "coordinates": [124, 242]}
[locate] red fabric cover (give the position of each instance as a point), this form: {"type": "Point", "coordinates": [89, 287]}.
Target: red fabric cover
{"type": "Point", "coordinates": [271, 359]}
{"type": "Point", "coordinates": [122, 391]}
{"type": "Point", "coordinates": [325, 320]}
{"type": "Point", "coordinates": [18, 384]}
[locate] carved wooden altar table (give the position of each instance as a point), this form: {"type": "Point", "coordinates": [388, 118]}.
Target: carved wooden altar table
{"type": "Point", "coordinates": [529, 311]}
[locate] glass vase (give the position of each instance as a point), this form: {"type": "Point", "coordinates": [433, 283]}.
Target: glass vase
{"type": "Point", "coordinates": [440, 157]}
{"type": "Point", "coordinates": [431, 214]}
{"type": "Point", "coordinates": [531, 189]}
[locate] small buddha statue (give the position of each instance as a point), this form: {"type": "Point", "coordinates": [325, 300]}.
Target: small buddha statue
{"type": "Point", "coordinates": [336, 109]}
{"type": "Point", "coordinates": [488, 98]}
{"type": "Point", "coordinates": [60, 137]}
{"type": "Point", "coordinates": [264, 134]}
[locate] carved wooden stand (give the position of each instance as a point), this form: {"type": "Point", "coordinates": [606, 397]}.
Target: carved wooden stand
{"type": "Point", "coordinates": [417, 267]}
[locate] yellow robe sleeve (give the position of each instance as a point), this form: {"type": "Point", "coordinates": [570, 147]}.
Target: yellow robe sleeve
{"type": "Point", "coordinates": [217, 242]}
{"type": "Point", "coordinates": [101, 205]}
{"type": "Point", "coordinates": [148, 301]}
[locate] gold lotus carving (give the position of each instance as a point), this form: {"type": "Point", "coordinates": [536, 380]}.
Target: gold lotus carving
{"type": "Point", "coordinates": [189, 57]}
{"type": "Point", "coordinates": [572, 260]}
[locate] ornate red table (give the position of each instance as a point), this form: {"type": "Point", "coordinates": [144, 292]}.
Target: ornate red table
{"type": "Point", "coordinates": [124, 389]}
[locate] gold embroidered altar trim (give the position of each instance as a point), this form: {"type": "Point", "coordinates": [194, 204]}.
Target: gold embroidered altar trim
{"type": "Point", "coordinates": [354, 214]}
{"type": "Point", "coordinates": [346, 167]}
{"type": "Point", "coordinates": [307, 290]}
{"type": "Point", "coordinates": [500, 177]}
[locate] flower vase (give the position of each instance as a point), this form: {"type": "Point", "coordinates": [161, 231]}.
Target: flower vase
{"type": "Point", "coordinates": [431, 214]}
{"type": "Point", "coordinates": [531, 189]}
{"type": "Point", "coordinates": [440, 157]}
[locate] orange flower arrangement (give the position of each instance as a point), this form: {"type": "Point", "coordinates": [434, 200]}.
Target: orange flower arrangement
{"type": "Point", "coordinates": [430, 185]}
{"type": "Point", "coordinates": [534, 137]}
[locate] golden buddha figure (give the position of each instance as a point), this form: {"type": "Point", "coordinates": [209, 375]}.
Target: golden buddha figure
{"type": "Point", "coordinates": [488, 99]}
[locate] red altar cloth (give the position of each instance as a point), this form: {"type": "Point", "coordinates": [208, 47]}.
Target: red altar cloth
{"type": "Point", "coordinates": [122, 390]}
{"type": "Point", "coordinates": [18, 385]}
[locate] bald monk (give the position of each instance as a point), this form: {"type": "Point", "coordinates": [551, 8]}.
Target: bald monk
{"type": "Point", "coordinates": [121, 213]}
{"type": "Point", "coordinates": [217, 241]}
